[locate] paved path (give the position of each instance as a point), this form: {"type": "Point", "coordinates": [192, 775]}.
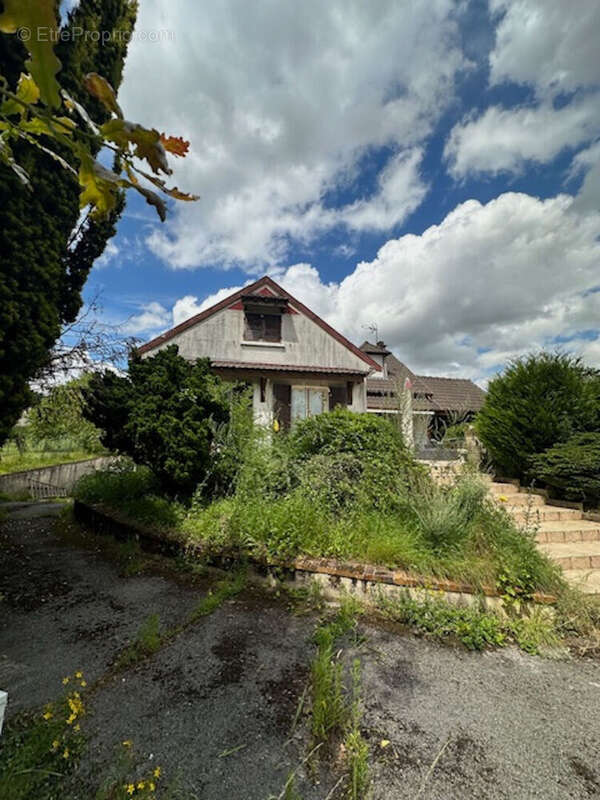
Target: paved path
{"type": "Point", "coordinates": [504, 725]}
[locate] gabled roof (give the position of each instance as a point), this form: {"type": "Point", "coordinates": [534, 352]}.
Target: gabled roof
{"type": "Point", "coordinates": [264, 287]}
{"type": "Point", "coordinates": [429, 393]}
{"type": "Point", "coordinates": [455, 394]}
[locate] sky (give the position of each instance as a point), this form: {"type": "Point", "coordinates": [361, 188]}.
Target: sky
{"type": "Point", "coordinates": [431, 168]}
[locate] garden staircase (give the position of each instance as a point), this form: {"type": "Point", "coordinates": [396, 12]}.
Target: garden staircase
{"type": "Point", "coordinates": [561, 532]}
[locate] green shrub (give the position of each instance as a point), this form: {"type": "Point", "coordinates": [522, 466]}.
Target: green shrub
{"type": "Point", "coordinates": [130, 491]}
{"type": "Point", "coordinates": [162, 415]}
{"type": "Point", "coordinates": [475, 629]}
{"type": "Point", "coordinates": [572, 468]}
{"type": "Point", "coordinates": [454, 435]}
{"type": "Point", "coordinates": [540, 400]}
{"type": "Point", "coordinates": [445, 517]}
{"type": "Point", "coordinates": [116, 485]}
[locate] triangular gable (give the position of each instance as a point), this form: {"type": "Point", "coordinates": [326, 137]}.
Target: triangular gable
{"type": "Point", "coordinates": [265, 287]}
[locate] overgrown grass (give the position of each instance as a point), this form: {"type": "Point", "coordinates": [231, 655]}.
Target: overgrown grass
{"type": "Point", "coordinates": [38, 751]}
{"type": "Point", "coordinates": [336, 701]}
{"type": "Point", "coordinates": [224, 590]}
{"type": "Point", "coordinates": [13, 461]}
{"type": "Point", "coordinates": [474, 628]}
{"type": "Point", "coordinates": [342, 486]}
{"type": "Point", "coordinates": [147, 642]}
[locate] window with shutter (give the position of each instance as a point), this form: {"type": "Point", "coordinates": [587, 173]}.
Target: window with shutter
{"type": "Point", "coordinates": [262, 327]}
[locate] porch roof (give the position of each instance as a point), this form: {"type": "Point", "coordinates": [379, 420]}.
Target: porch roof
{"type": "Point", "coordinates": [258, 366]}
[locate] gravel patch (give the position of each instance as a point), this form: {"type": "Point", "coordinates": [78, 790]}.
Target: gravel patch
{"type": "Point", "coordinates": [214, 707]}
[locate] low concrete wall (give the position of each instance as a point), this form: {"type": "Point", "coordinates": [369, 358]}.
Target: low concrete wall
{"type": "Point", "coordinates": [366, 582]}
{"type": "Point", "coordinates": [62, 475]}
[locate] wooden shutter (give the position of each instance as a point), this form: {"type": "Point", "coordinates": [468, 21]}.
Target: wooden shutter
{"type": "Point", "coordinates": [337, 396]}
{"type": "Point", "coordinates": [253, 327]}
{"type": "Point", "coordinates": [282, 404]}
{"type": "Point", "coordinates": [272, 327]}
{"type": "Point", "coordinates": [349, 393]}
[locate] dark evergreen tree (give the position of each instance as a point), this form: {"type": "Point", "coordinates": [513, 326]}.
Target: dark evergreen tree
{"type": "Point", "coordinates": [163, 414]}
{"type": "Point", "coordinates": [42, 268]}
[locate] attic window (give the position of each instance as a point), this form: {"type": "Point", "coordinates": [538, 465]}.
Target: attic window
{"type": "Point", "coordinates": [260, 327]}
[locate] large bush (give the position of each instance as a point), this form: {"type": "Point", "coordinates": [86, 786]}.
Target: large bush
{"type": "Point", "coordinates": [163, 414]}
{"type": "Point", "coordinates": [572, 468]}
{"type": "Point", "coordinates": [355, 457]}
{"type": "Point", "coordinates": [540, 400]}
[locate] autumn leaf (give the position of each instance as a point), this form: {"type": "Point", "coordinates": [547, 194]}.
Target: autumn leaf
{"type": "Point", "coordinates": [153, 199]}
{"type": "Point", "coordinates": [146, 142]}
{"type": "Point", "coordinates": [175, 144]}
{"type": "Point", "coordinates": [33, 17]}
{"type": "Point", "coordinates": [175, 193]}
{"type": "Point", "coordinates": [27, 89]}
{"type": "Point", "coordinates": [73, 105]}
{"type": "Point", "coordinates": [38, 126]}
{"type": "Point", "coordinates": [6, 156]}
{"type": "Point", "coordinates": [101, 89]}
{"type": "Point", "coordinates": [97, 189]}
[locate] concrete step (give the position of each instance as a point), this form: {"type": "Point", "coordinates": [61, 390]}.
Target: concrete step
{"type": "Point", "coordinates": [573, 555]}
{"type": "Point", "coordinates": [520, 499]}
{"type": "Point", "coordinates": [535, 516]}
{"type": "Point", "coordinates": [587, 582]}
{"type": "Point", "coordinates": [503, 488]}
{"type": "Point", "coordinates": [577, 530]}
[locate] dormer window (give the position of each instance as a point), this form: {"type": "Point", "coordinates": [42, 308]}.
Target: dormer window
{"type": "Point", "coordinates": [262, 317]}
{"type": "Point", "coordinates": [260, 327]}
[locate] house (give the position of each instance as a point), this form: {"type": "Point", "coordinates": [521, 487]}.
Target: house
{"type": "Point", "coordinates": [297, 364]}
{"type": "Point", "coordinates": [434, 403]}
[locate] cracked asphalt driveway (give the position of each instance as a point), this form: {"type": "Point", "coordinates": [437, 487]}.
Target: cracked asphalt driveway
{"type": "Point", "coordinates": [215, 705]}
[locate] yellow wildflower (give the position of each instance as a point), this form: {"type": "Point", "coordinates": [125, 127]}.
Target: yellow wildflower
{"type": "Point", "coordinates": [66, 680]}
{"type": "Point", "coordinates": [55, 744]}
{"type": "Point", "coordinates": [77, 727]}
{"type": "Point", "coordinates": [127, 743]}
{"type": "Point", "coordinates": [83, 683]}
{"type": "Point", "coordinates": [66, 753]}
{"type": "Point", "coordinates": [156, 772]}
{"type": "Point", "coordinates": [79, 674]}
{"type": "Point", "coordinates": [141, 784]}
{"type": "Point", "coordinates": [130, 788]}
{"type": "Point", "coordinates": [384, 743]}
{"type": "Point", "coordinates": [151, 786]}
{"type": "Point", "coordinates": [47, 715]}
{"type": "Point", "coordinates": [503, 498]}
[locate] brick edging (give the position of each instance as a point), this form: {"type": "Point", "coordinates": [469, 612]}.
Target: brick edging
{"type": "Point", "coordinates": [107, 523]}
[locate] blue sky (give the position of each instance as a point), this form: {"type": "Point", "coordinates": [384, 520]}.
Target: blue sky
{"type": "Point", "coordinates": [431, 167]}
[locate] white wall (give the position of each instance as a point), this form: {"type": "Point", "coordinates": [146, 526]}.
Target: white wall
{"type": "Point", "coordinates": [303, 342]}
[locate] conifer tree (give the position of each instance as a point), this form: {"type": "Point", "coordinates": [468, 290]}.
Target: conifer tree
{"type": "Point", "coordinates": [43, 266]}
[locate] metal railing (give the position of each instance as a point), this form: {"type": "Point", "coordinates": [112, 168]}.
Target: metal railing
{"type": "Point", "coordinates": [40, 490]}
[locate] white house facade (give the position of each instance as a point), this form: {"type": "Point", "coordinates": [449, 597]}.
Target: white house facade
{"type": "Point", "coordinates": [297, 364]}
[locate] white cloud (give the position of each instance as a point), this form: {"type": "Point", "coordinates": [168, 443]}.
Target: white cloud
{"type": "Point", "coordinates": [489, 282]}
{"type": "Point", "coordinates": [280, 104]}
{"type": "Point", "coordinates": [588, 163]}
{"type": "Point", "coordinates": [152, 318]}
{"type": "Point", "coordinates": [111, 251]}
{"type": "Point", "coordinates": [554, 50]}
{"type": "Point", "coordinates": [548, 44]}
{"type": "Point", "coordinates": [506, 139]}
{"type": "Point", "coordinates": [189, 305]}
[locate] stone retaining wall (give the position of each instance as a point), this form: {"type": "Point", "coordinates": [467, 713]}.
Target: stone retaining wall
{"type": "Point", "coordinates": [366, 582]}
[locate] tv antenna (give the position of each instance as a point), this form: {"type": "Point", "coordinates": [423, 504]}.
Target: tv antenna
{"type": "Point", "coordinates": [374, 330]}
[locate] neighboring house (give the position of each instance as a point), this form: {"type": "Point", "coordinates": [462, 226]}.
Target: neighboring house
{"type": "Point", "coordinates": [434, 402]}
{"type": "Point", "coordinates": [297, 364]}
